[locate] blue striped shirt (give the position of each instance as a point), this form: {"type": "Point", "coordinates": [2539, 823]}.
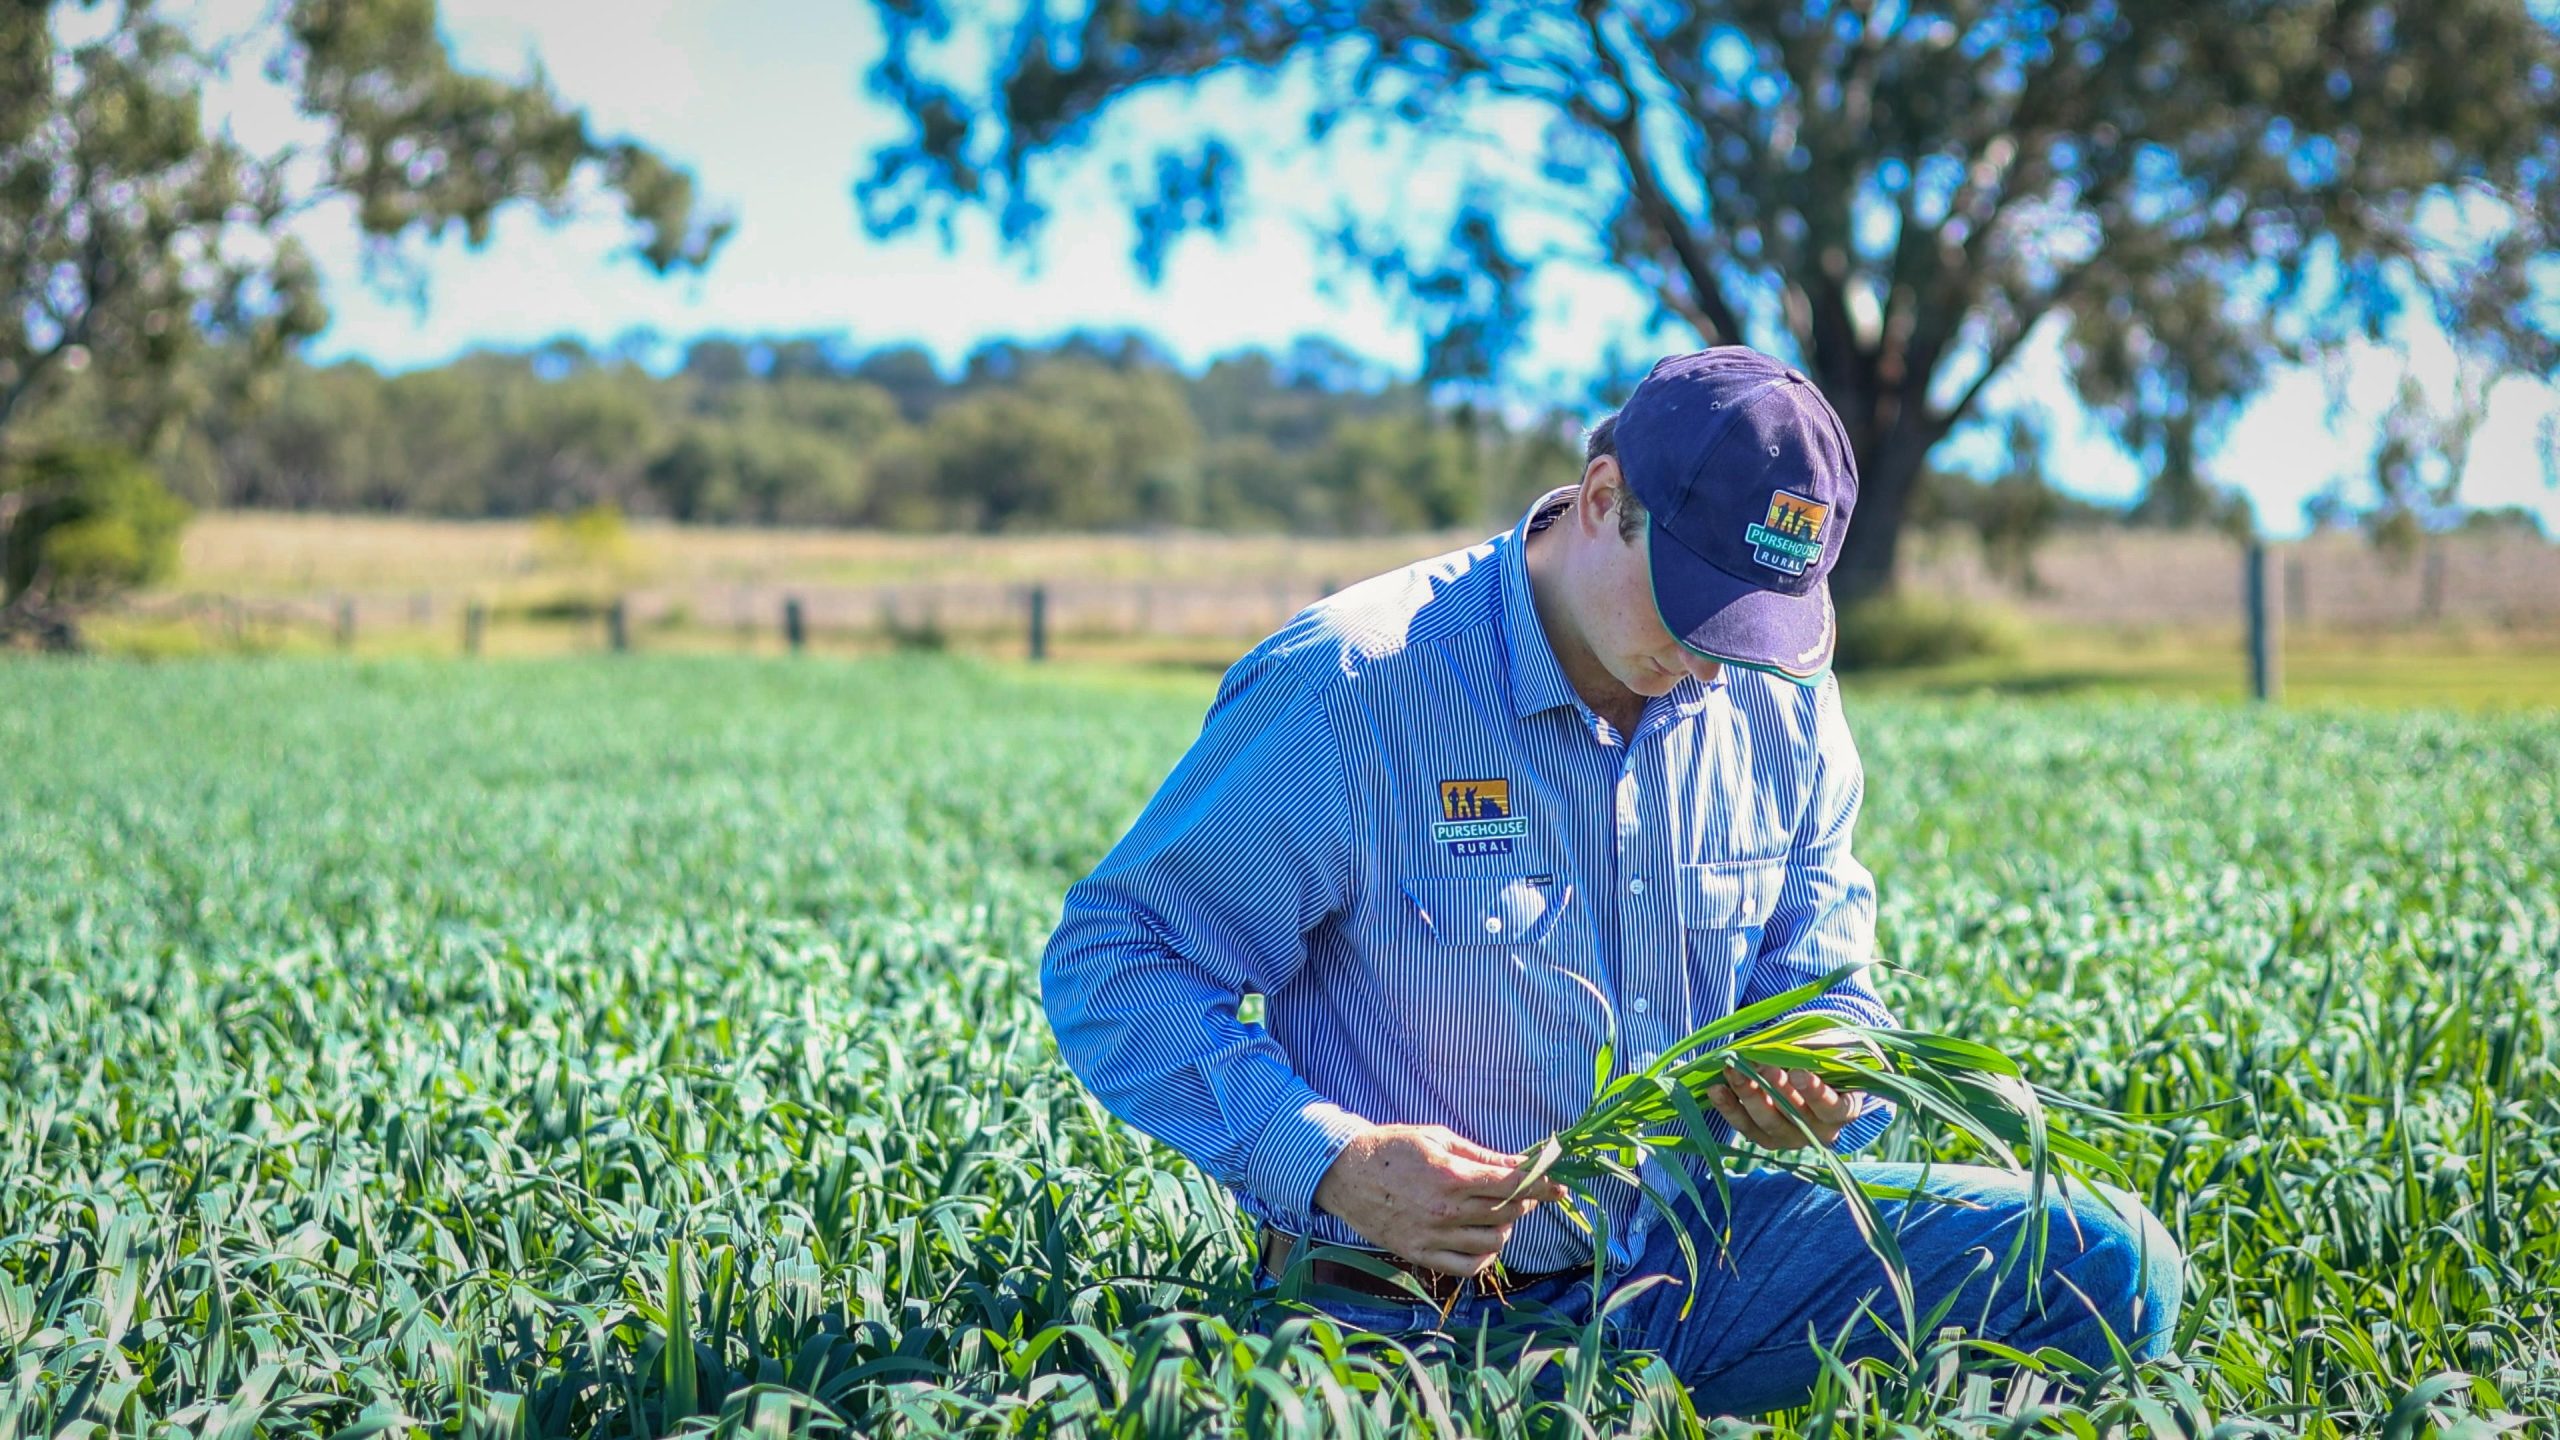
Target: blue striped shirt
{"type": "Point", "coordinates": [1449, 878]}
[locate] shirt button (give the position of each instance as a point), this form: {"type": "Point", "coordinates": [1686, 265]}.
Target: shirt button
{"type": "Point", "coordinates": [1635, 887]}
{"type": "Point", "coordinates": [1644, 1059]}
{"type": "Point", "coordinates": [1493, 924]}
{"type": "Point", "coordinates": [1641, 1005]}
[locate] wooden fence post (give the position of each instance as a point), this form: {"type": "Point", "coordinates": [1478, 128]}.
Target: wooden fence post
{"type": "Point", "coordinates": [795, 624]}
{"type": "Point", "coordinates": [2431, 583]}
{"type": "Point", "coordinates": [1039, 622]}
{"type": "Point", "coordinates": [617, 625]}
{"type": "Point", "coordinates": [475, 625]}
{"type": "Point", "coordinates": [2266, 680]}
{"type": "Point", "coordinates": [346, 623]}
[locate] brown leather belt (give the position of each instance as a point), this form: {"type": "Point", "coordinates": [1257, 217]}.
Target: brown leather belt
{"type": "Point", "coordinates": [1279, 1245]}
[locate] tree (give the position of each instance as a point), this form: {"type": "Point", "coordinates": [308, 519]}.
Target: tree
{"type": "Point", "coordinates": [582, 440]}
{"type": "Point", "coordinates": [1897, 194]}
{"type": "Point", "coordinates": [77, 524]}
{"type": "Point", "coordinates": [441, 439]}
{"type": "Point", "coordinates": [129, 235]}
{"type": "Point", "coordinates": [851, 412]}
{"type": "Point", "coordinates": [1152, 457]}
{"type": "Point", "coordinates": [1002, 460]}
{"type": "Point", "coordinates": [726, 474]}
{"type": "Point", "coordinates": [317, 445]}
{"type": "Point", "coordinates": [2419, 453]}
{"type": "Point", "coordinates": [908, 374]}
{"type": "Point", "coordinates": [2011, 513]}
{"type": "Point", "coordinates": [1393, 472]}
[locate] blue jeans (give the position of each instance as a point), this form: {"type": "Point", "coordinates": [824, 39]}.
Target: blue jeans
{"type": "Point", "coordinates": [1793, 1269]}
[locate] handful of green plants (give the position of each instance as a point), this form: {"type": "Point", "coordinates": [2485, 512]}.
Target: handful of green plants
{"type": "Point", "coordinates": [1954, 1085]}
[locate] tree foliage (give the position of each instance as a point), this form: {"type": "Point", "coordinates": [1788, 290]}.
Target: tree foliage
{"type": "Point", "coordinates": [1898, 194]}
{"type": "Point", "coordinates": [78, 523]}
{"type": "Point", "coordinates": [131, 234]}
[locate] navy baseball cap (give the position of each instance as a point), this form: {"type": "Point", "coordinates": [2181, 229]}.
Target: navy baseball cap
{"type": "Point", "coordinates": [1748, 478]}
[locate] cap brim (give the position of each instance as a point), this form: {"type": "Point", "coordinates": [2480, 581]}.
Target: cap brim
{"type": "Point", "coordinates": [1715, 615]}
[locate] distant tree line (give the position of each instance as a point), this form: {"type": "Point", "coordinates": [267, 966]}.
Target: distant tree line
{"type": "Point", "coordinates": [1093, 431]}
{"type": "Point", "coordinates": [1088, 432]}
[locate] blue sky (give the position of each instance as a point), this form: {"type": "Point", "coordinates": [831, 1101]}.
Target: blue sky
{"type": "Point", "coordinates": [764, 101]}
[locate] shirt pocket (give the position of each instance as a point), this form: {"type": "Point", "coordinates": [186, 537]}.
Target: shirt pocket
{"type": "Point", "coordinates": [1484, 980]}
{"type": "Point", "coordinates": [1724, 905]}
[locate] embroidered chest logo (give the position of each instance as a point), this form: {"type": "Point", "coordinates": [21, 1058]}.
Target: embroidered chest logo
{"type": "Point", "coordinates": [1791, 538]}
{"type": "Point", "coordinates": [1476, 818]}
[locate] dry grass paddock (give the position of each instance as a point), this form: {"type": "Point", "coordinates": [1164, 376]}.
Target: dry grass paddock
{"type": "Point", "coordinates": [2121, 578]}
{"type": "Point", "coordinates": [2473, 619]}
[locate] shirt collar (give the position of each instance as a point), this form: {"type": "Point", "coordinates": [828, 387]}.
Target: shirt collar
{"type": "Point", "coordinates": [1537, 678]}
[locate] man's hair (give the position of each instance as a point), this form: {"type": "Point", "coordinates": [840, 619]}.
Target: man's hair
{"type": "Point", "coordinates": [1604, 441]}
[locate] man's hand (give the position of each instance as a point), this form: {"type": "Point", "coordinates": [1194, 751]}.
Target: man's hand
{"type": "Point", "coordinates": [1430, 1194]}
{"type": "Point", "coordinates": [1747, 1106]}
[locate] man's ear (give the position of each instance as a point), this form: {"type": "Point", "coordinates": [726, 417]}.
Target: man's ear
{"type": "Point", "coordinates": [1604, 489]}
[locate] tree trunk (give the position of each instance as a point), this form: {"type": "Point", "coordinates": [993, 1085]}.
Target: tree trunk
{"type": "Point", "coordinates": [1887, 474]}
{"type": "Point", "coordinates": [48, 628]}
{"type": "Point", "coordinates": [10, 501]}
{"type": "Point", "coordinates": [1888, 442]}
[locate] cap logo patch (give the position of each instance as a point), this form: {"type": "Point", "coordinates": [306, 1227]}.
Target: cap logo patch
{"type": "Point", "coordinates": [1791, 538]}
{"type": "Point", "coordinates": [1476, 818]}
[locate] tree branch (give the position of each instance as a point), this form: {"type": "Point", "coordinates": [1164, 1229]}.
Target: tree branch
{"type": "Point", "coordinates": [1645, 187]}
{"type": "Point", "coordinates": [98, 283]}
{"type": "Point", "coordinates": [2000, 354]}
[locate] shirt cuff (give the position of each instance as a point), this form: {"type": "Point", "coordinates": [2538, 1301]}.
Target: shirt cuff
{"type": "Point", "coordinates": [1851, 1007]}
{"type": "Point", "coordinates": [1863, 1130]}
{"type": "Point", "coordinates": [1295, 1150]}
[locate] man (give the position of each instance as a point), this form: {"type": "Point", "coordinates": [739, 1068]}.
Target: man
{"type": "Point", "coordinates": [1461, 823]}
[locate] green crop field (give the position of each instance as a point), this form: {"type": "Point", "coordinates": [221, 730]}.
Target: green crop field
{"type": "Point", "coordinates": [652, 1046]}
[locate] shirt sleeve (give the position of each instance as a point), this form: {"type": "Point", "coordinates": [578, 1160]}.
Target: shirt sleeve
{"type": "Point", "coordinates": [1245, 848]}
{"type": "Point", "coordinates": [1826, 910]}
